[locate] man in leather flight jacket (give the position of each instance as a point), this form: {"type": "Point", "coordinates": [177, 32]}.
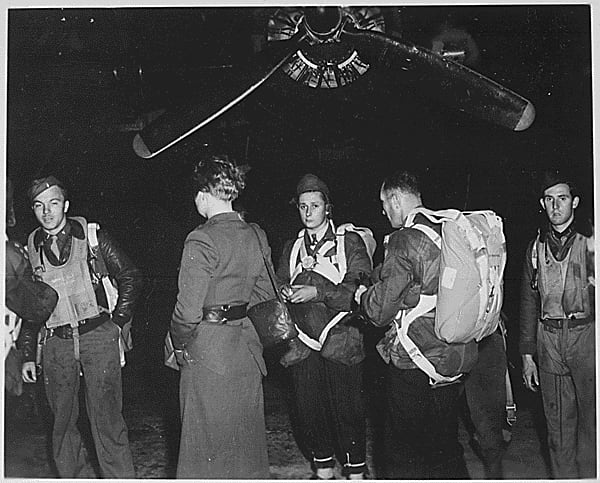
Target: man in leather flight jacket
{"type": "Point", "coordinates": [81, 337]}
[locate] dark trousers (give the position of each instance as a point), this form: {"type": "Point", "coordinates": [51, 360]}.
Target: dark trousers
{"type": "Point", "coordinates": [101, 367]}
{"type": "Point", "coordinates": [568, 385]}
{"type": "Point", "coordinates": [424, 428]}
{"type": "Point", "coordinates": [330, 411]}
{"type": "Point", "coordinates": [485, 391]}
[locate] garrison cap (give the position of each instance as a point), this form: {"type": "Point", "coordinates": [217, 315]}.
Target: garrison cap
{"type": "Point", "coordinates": [310, 182]}
{"type": "Point", "coordinates": [551, 177]}
{"type": "Point", "coordinates": [40, 185]}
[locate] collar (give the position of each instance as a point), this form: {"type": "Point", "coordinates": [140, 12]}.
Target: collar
{"type": "Point", "coordinates": [563, 235]}
{"type": "Point", "coordinates": [325, 233]}
{"type": "Point", "coordinates": [227, 216]}
{"type": "Point", "coordinates": [71, 228]}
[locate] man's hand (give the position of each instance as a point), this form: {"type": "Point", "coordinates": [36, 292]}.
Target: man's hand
{"type": "Point", "coordinates": [302, 294]}
{"type": "Point", "coordinates": [286, 292]}
{"type": "Point", "coordinates": [358, 294]}
{"type": "Point", "coordinates": [530, 373]}
{"type": "Point", "coordinates": [28, 372]}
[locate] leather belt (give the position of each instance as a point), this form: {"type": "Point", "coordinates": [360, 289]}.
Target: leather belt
{"type": "Point", "coordinates": [558, 323]}
{"type": "Point", "coordinates": [66, 331]}
{"type": "Point", "coordinates": [223, 313]}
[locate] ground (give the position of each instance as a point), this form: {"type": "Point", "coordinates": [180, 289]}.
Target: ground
{"type": "Point", "coordinates": [150, 409]}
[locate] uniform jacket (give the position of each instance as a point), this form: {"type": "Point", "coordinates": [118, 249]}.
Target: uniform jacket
{"type": "Point", "coordinates": [410, 268]}
{"type": "Point", "coordinates": [128, 279]}
{"type": "Point", "coordinates": [530, 310]}
{"type": "Point", "coordinates": [221, 264]}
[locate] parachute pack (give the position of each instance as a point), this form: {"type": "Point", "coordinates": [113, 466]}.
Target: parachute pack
{"type": "Point", "coordinates": [470, 290]}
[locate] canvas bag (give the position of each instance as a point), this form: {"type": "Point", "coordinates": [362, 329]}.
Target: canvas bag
{"type": "Point", "coordinates": [473, 258]}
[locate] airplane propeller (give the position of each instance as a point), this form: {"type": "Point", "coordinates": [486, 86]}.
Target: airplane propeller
{"type": "Point", "coordinates": [330, 47]}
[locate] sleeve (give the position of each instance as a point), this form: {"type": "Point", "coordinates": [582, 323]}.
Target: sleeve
{"type": "Point", "coordinates": [199, 261]}
{"type": "Point", "coordinates": [530, 308]}
{"type": "Point", "coordinates": [340, 297]}
{"type": "Point", "coordinates": [27, 340]}
{"type": "Point", "coordinates": [128, 277]}
{"type": "Point", "coordinates": [263, 289]}
{"type": "Point", "coordinates": [395, 286]}
{"type": "Point", "coordinates": [16, 268]}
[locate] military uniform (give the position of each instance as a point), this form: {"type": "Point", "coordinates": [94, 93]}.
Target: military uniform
{"type": "Point", "coordinates": [328, 394]}
{"type": "Point", "coordinates": [81, 337]}
{"type": "Point", "coordinates": [558, 323]}
{"type": "Point", "coordinates": [221, 396]}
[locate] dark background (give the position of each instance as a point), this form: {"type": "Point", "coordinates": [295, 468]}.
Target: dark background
{"type": "Point", "coordinates": [76, 98]}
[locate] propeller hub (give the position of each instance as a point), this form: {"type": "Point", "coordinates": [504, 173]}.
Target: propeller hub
{"type": "Point", "coordinates": [323, 22]}
{"type": "Point", "coordinates": [328, 61]}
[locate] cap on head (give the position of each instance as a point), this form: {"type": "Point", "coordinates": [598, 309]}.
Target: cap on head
{"type": "Point", "coordinates": [42, 184]}
{"type": "Point", "coordinates": [310, 182]}
{"type": "Point", "coordinates": [551, 177]}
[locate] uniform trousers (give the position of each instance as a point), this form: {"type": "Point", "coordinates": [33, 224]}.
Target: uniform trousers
{"type": "Point", "coordinates": [330, 411]}
{"type": "Point", "coordinates": [101, 368]}
{"type": "Point", "coordinates": [567, 360]}
{"type": "Point", "coordinates": [424, 428]}
{"type": "Point", "coordinates": [485, 390]}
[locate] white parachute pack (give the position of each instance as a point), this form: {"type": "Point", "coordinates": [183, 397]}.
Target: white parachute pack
{"type": "Point", "coordinates": [473, 258]}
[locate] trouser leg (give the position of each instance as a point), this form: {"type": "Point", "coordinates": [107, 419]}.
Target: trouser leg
{"type": "Point", "coordinates": [61, 381]}
{"type": "Point", "coordinates": [104, 400]}
{"type": "Point", "coordinates": [558, 397]}
{"type": "Point", "coordinates": [424, 427]}
{"type": "Point", "coordinates": [485, 391]}
{"type": "Point", "coordinates": [345, 392]}
{"type": "Point", "coordinates": [313, 408]}
{"type": "Point", "coordinates": [581, 359]}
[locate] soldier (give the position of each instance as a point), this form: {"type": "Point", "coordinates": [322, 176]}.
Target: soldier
{"type": "Point", "coordinates": [81, 337]}
{"type": "Point", "coordinates": [558, 324]}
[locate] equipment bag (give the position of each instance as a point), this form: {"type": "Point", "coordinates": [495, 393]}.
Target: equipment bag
{"type": "Point", "coordinates": [473, 257]}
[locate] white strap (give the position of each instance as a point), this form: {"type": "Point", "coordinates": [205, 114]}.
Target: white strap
{"type": "Point", "coordinates": [406, 318]}
{"type": "Point", "coordinates": [111, 292]}
{"type": "Point", "coordinates": [318, 344]}
{"type": "Point", "coordinates": [92, 236]}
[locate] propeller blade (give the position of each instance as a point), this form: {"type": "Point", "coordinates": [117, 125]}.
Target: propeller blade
{"type": "Point", "coordinates": [175, 125]}
{"type": "Point", "coordinates": [449, 82]}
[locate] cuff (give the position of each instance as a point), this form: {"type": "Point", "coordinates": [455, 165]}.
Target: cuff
{"type": "Point", "coordinates": [527, 348]}
{"type": "Point", "coordinates": [120, 319]}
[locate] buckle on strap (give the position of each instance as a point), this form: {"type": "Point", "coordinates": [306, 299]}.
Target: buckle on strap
{"type": "Point", "coordinates": [511, 414]}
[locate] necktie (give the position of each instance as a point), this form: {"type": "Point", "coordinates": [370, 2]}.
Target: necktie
{"type": "Point", "coordinates": [313, 240]}
{"type": "Point", "coordinates": [54, 246]}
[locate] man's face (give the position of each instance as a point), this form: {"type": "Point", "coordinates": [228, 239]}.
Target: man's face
{"type": "Point", "coordinates": [50, 209]}
{"type": "Point", "coordinates": [391, 204]}
{"type": "Point", "coordinates": [559, 205]}
{"type": "Point", "coordinates": [312, 209]}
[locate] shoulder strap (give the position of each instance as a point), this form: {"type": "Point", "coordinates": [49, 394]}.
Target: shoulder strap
{"type": "Point", "coordinates": [92, 229]}
{"type": "Point", "coordinates": [97, 258]}
{"type": "Point", "coordinates": [267, 264]}
{"type": "Point", "coordinates": [534, 251]}
{"type": "Point", "coordinates": [365, 233]}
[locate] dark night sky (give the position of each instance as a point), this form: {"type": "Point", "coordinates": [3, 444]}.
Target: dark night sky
{"type": "Point", "coordinates": [66, 112]}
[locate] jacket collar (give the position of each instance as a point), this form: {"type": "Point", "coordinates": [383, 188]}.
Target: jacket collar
{"type": "Point", "coordinates": [71, 228]}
